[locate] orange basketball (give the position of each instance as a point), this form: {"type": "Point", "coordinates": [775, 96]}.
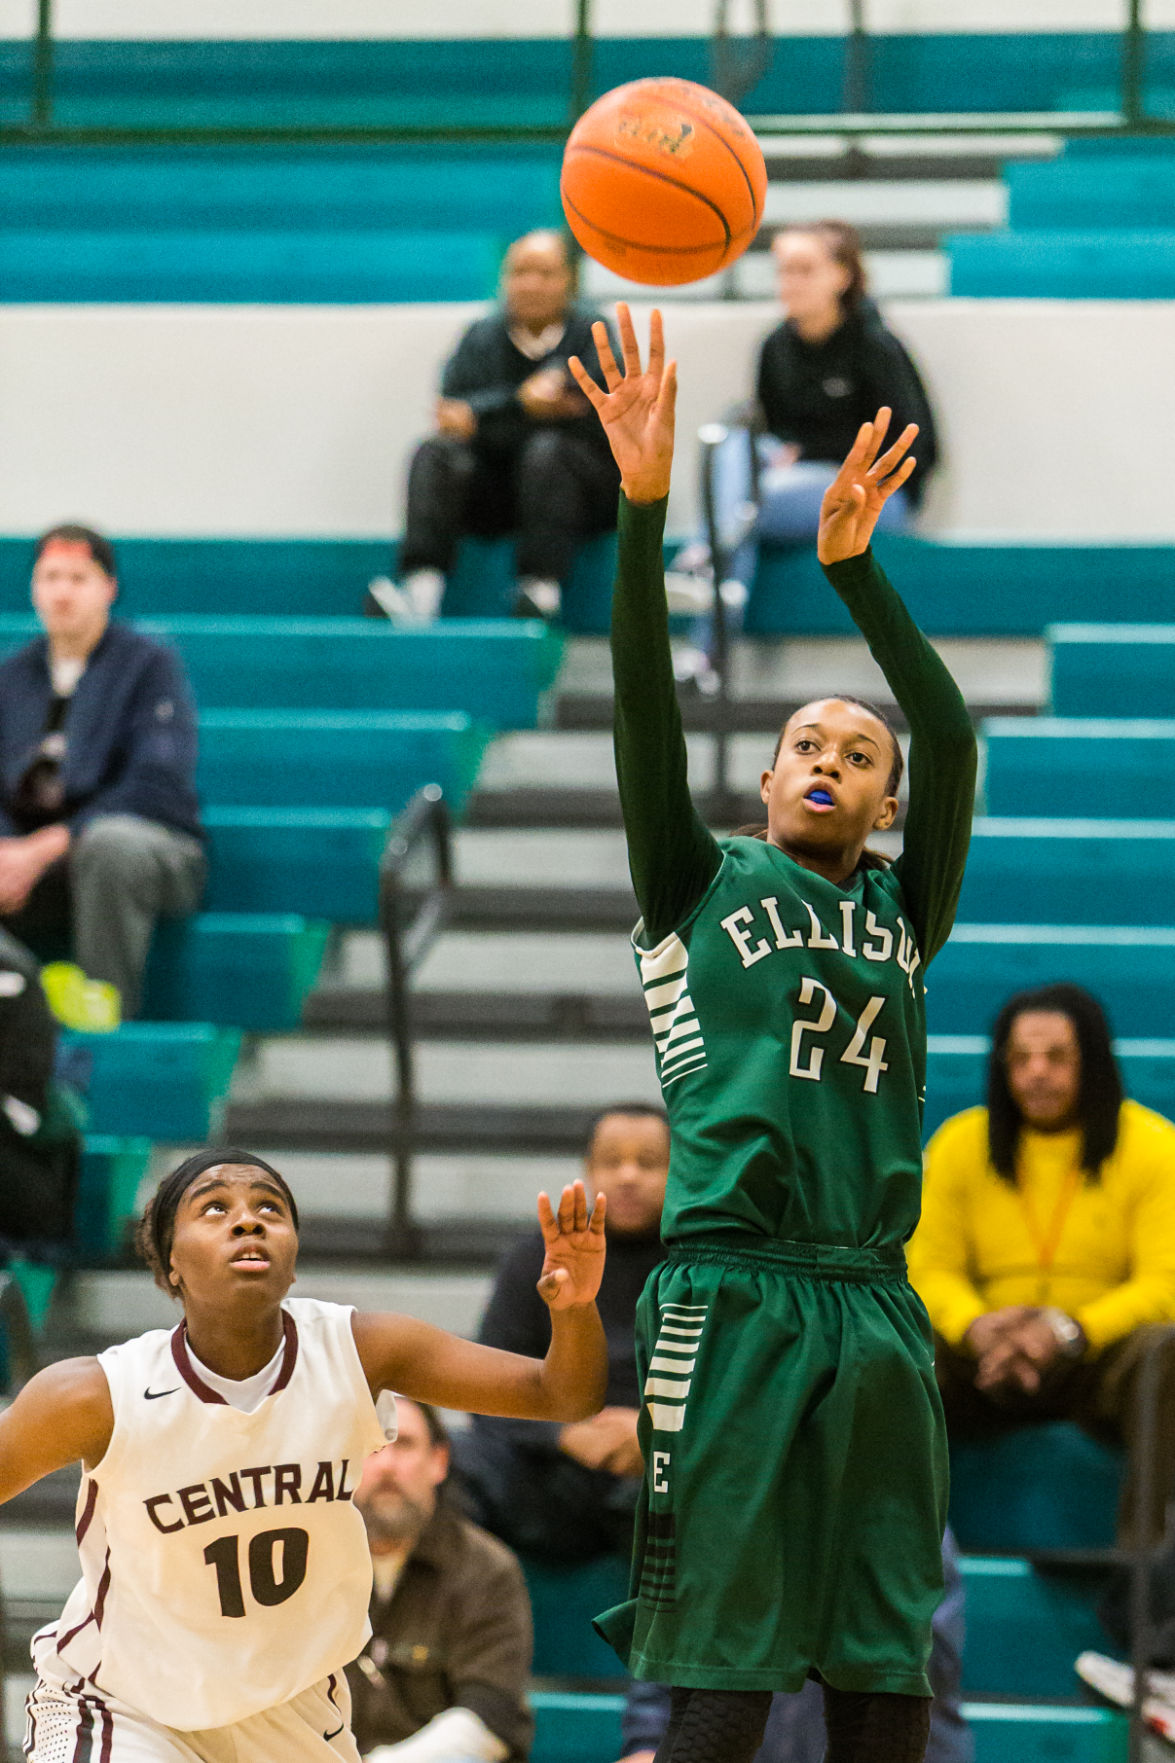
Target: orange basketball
{"type": "Point", "coordinates": [663, 182]}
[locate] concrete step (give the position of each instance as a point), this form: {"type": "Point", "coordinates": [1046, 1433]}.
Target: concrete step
{"type": "Point", "coordinates": [770, 678]}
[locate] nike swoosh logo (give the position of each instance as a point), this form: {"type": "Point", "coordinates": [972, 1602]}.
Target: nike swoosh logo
{"type": "Point", "coordinates": [154, 1395]}
{"type": "Point", "coordinates": [333, 1735]}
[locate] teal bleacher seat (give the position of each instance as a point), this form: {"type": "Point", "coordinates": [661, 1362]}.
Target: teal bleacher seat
{"type": "Point", "coordinates": [584, 1728]}
{"type": "Point", "coordinates": [159, 1080]}
{"type": "Point", "coordinates": [1049, 264]}
{"type": "Point", "coordinates": [361, 188]}
{"type": "Point", "coordinates": [1038, 1488]}
{"type": "Point", "coordinates": [1077, 766]}
{"type": "Point", "coordinates": [1096, 871]}
{"type": "Point", "coordinates": [964, 589]}
{"type": "Point", "coordinates": [244, 970]}
{"type": "Point", "coordinates": [1092, 194]}
{"type": "Point", "coordinates": [492, 671]}
{"type": "Point", "coordinates": [956, 1074]}
{"type": "Point", "coordinates": [564, 1600]}
{"type": "Point", "coordinates": [336, 758]}
{"type": "Point", "coordinates": [1130, 969]}
{"type": "Point", "coordinates": [1112, 670]}
{"type": "Point", "coordinates": [319, 862]}
{"type": "Point", "coordinates": [1025, 1626]}
{"type": "Point", "coordinates": [483, 583]}
{"type": "Point", "coordinates": [277, 578]}
{"type": "Point", "coordinates": [270, 266]}
{"type": "Point", "coordinates": [112, 1172]}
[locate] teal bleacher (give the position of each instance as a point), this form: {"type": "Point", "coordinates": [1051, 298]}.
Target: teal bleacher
{"type": "Point", "coordinates": [1081, 764]}
{"type": "Point", "coordinates": [492, 671]}
{"type": "Point", "coordinates": [956, 1068]}
{"type": "Point", "coordinates": [1111, 670]}
{"type": "Point", "coordinates": [970, 590]}
{"type": "Point", "coordinates": [1098, 223]}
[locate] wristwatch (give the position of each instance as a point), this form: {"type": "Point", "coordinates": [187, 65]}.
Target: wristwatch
{"type": "Point", "coordinates": [1070, 1334]}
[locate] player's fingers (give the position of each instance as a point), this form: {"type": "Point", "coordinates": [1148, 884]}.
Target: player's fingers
{"type": "Point", "coordinates": [547, 1222]}
{"type": "Point", "coordinates": [880, 428]}
{"type": "Point", "coordinates": [599, 1213]}
{"type": "Point", "coordinates": [612, 374]}
{"type": "Point", "coordinates": [628, 343]}
{"type": "Point", "coordinates": [584, 381]}
{"type": "Point", "coordinates": [567, 1210]}
{"type": "Point", "coordinates": [551, 1284]}
{"type": "Point", "coordinates": [886, 490]}
{"type": "Point", "coordinates": [667, 396]}
{"type": "Point", "coordinates": [889, 459]}
{"type": "Point", "coordinates": [656, 343]}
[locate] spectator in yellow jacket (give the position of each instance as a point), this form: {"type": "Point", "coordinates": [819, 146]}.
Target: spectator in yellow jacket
{"type": "Point", "coordinates": [1046, 1251]}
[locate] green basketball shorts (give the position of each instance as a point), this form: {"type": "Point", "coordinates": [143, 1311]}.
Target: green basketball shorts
{"type": "Point", "coordinates": [795, 1485]}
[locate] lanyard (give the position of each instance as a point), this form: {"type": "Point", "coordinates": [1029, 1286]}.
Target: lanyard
{"type": "Point", "coordinates": [1047, 1242]}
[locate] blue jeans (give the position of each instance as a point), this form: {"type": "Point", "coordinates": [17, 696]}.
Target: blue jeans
{"type": "Point", "coordinates": [789, 507]}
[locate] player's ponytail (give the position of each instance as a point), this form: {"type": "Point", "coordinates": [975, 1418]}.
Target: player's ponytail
{"type": "Point", "coordinates": [156, 1228]}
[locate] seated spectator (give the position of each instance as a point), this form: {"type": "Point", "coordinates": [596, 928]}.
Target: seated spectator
{"type": "Point", "coordinates": [443, 1677]}
{"type": "Point", "coordinates": [795, 1726]}
{"type": "Point", "coordinates": [517, 447]}
{"type": "Point", "coordinates": [1046, 1251]}
{"type": "Point", "coordinates": [99, 828]}
{"type": "Point", "coordinates": [569, 1492]}
{"type": "Point", "coordinates": [40, 1120]}
{"type": "Point", "coordinates": [829, 367]}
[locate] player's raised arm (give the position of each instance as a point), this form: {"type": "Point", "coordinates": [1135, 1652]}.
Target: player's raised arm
{"type": "Point", "coordinates": [942, 740]}
{"type": "Point", "coordinates": [63, 1415]}
{"type": "Point", "coordinates": [671, 856]}
{"type": "Point", "coordinates": [428, 1364]}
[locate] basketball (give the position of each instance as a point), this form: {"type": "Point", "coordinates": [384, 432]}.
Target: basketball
{"type": "Point", "coordinates": [663, 182]}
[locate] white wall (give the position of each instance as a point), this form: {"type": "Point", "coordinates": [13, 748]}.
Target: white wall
{"type": "Point", "coordinates": [370, 19]}
{"type": "Point", "coordinates": [298, 420]}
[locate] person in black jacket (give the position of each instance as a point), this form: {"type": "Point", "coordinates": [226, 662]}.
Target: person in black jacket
{"type": "Point", "coordinates": [828, 368]}
{"type": "Point", "coordinates": [569, 1492]}
{"type": "Point", "coordinates": [517, 447]}
{"type": "Point", "coordinates": [99, 825]}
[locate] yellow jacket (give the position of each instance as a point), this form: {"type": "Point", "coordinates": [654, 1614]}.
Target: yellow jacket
{"type": "Point", "coordinates": [983, 1243]}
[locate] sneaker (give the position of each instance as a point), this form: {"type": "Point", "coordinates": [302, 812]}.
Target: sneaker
{"type": "Point", "coordinates": [1114, 1681]}
{"type": "Point", "coordinates": [687, 593]}
{"type": "Point", "coordinates": [384, 600]}
{"type": "Point", "coordinates": [692, 669]}
{"type": "Point", "coordinates": [92, 1006]}
{"type": "Point", "coordinates": [538, 597]}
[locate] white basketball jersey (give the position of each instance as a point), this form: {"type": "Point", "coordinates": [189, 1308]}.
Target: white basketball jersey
{"type": "Point", "coordinates": [224, 1566]}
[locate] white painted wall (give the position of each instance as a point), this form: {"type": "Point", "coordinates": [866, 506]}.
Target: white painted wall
{"type": "Point", "coordinates": [372, 19]}
{"type": "Point", "coordinates": [298, 420]}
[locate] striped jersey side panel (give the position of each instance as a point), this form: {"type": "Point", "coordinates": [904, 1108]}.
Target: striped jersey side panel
{"type": "Point", "coordinates": [677, 1032]}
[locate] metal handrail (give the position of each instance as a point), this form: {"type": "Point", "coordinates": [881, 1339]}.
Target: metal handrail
{"type": "Point", "coordinates": [409, 922]}
{"type": "Point", "coordinates": [1145, 1552]}
{"type": "Point", "coordinates": [734, 77]}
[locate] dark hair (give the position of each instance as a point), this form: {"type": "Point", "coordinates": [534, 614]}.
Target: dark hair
{"type": "Point", "coordinates": [438, 1432]}
{"type": "Point", "coordinates": [1099, 1097]}
{"type": "Point", "coordinates": [101, 550]}
{"type": "Point", "coordinates": [843, 243]}
{"type": "Point", "coordinates": [156, 1229]}
{"type": "Point", "coordinates": [639, 1110]}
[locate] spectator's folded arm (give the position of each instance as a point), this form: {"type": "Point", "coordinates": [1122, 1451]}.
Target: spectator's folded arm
{"type": "Point", "coordinates": [156, 780]}
{"type": "Point", "coordinates": [1148, 1296]}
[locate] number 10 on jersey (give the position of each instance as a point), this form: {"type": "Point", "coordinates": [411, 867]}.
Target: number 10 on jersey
{"type": "Point", "coordinates": [871, 1062]}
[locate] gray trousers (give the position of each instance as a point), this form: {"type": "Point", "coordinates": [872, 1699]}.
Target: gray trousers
{"type": "Point", "coordinates": [119, 875]}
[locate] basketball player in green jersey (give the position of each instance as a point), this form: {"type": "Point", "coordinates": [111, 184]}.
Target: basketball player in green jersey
{"type": "Point", "coordinates": [795, 1483]}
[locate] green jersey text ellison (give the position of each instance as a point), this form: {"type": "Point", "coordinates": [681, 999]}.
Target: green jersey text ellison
{"type": "Point", "coordinates": [788, 1013]}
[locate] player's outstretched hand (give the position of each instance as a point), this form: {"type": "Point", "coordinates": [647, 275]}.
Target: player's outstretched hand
{"type": "Point", "coordinates": [574, 1262]}
{"type": "Point", "coordinates": [863, 486]}
{"type": "Point", "coordinates": [637, 408]}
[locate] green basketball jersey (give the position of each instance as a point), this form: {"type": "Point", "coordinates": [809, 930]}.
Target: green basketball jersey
{"type": "Point", "coordinates": [789, 1022]}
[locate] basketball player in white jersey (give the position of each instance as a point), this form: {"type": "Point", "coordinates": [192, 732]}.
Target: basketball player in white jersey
{"type": "Point", "coordinates": [225, 1572]}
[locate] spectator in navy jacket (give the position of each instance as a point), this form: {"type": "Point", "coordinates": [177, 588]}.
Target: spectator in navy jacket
{"type": "Point", "coordinates": [99, 826]}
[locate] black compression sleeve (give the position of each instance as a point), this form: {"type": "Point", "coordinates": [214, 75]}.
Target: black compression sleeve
{"type": "Point", "coordinates": [942, 749]}
{"type": "Point", "coordinates": [671, 856]}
